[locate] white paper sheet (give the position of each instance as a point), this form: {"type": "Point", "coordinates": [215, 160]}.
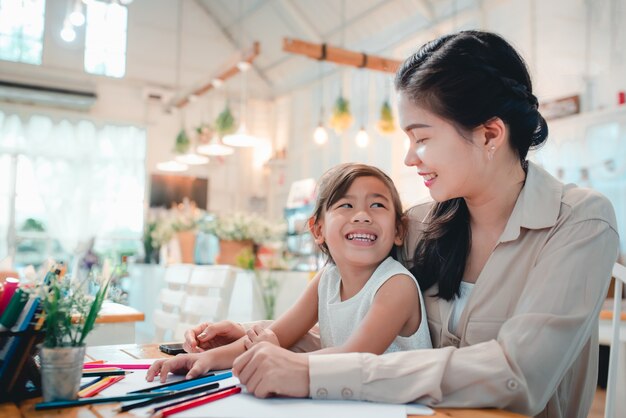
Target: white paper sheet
{"type": "Point", "coordinates": [244, 405]}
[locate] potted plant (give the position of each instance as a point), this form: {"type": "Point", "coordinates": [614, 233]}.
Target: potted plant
{"type": "Point", "coordinates": [341, 118]}
{"type": "Point", "coordinates": [240, 232]}
{"type": "Point", "coordinates": [225, 122]}
{"type": "Point", "coordinates": [183, 143]}
{"type": "Point", "coordinates": [70, 314]}
{"type": "Point", "coordinates": [386, 124]}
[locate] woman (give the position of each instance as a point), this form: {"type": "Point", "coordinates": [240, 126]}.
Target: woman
{"type": "Point", "coordinates": [514, 264]}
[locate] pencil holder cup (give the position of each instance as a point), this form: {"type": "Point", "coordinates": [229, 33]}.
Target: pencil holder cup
{"type": "Point", "coordinates": [61, 371]}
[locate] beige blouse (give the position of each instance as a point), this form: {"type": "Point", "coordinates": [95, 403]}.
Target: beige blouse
{"type": "Point", "coordinates": [528, 338]}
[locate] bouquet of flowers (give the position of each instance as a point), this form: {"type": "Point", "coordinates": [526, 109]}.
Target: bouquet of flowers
{"type": "Point", "coordinates": [241, 226]}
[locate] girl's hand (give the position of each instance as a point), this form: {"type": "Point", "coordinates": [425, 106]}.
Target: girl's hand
{"type": "Point", "coordinates": [268, 370]}
{"type": "Point", "coordinates": [192, 365]}
{"type": "Point", "coordinates": [211, 335]}
{"type": "Point", "coordinates": [257, 334]}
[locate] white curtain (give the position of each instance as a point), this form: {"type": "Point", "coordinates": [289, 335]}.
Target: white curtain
{"type": "Point", "coordinates": [90, 177]}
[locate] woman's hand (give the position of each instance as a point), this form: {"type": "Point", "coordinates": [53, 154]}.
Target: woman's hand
{"type": "Point", "coordinates": [268, 370]}
{"type": "Point", "coordinates": [192, 365]}
{"type": "Point", "coordinates": [210, 335]}
{"type": "Point", "coordinates": [258, 334]}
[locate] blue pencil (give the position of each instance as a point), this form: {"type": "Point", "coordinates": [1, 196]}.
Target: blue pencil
{"type": "Point", "coordinates": [194, 382]}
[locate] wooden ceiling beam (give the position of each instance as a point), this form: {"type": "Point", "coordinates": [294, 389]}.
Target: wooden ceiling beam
{"type": "Point", "coordinates": [325, 52]}
{"type": "Point", "coordinates": [224, 75]}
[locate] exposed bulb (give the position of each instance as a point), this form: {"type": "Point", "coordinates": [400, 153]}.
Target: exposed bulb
{"type": "Point", "coordinates": [77, 18]}
{"type": "Point", "coordinates": [320, 136]}
{"type": "Point", "coordinates": [217, 82]}
{"type": "Point", "coordinates": [362, 138]}
{"type": "Point", "coordinates": [68, 34]}
{"type": "Point", "coordinates": [243, 66]}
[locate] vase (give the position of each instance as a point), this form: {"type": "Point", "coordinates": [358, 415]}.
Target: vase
{"type": "Point", "coordinates": [61, 371]}
{"type": "Point", "coordinates": [230, 250]}
{"type": "Point", "coordinates": [187, 243]}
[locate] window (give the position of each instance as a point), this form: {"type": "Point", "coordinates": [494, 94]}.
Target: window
{"type": "Point", "coordinates": [105, 39]}
{"type": "Point", "coordinates": [64, 182]}
{"type": "Point", "coordinates": [21, 30]}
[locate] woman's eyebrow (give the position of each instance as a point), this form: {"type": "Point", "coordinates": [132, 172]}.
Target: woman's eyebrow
{"type": "Point", "coordinates": [416, 126]}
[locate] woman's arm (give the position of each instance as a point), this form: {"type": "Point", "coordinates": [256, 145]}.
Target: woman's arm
{"type": "Point", "coordinates": [519, 370]}
{"type": "Point", "coordinates": [394, 303]}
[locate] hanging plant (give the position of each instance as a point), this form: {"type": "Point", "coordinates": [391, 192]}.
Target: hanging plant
{"type": "Point", "coordinates": [386, 123]}
{"type": "Point", "coordinates": [204, 132]}
{"type": "Point", "coordinates": [182, 142]}
{"type": "Point", "coordinates": [225, 122]}
{"type": "Point", "coordinates": [341, 118]}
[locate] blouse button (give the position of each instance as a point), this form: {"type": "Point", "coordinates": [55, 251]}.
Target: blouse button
{"type": "Point", "coordinates": [346, 393]}
{"type": "Point", "coordinates": [511, 384]}
{"type": "Point", "coordinates": [322, 393]}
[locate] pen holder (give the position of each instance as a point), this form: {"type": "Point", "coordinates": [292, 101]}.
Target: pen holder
{"type": "Point", "coordinates": [19, 369]}
{"type": "Point", "coordinates": [61, 370]}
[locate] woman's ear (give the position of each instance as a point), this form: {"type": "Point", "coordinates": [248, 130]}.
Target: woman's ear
{"type": "Point", "coordinates": [401, 228]}
{"type": "Point", "coordinates": [493, 135]}
{"type": "Point", "coordinates": [316, 230]}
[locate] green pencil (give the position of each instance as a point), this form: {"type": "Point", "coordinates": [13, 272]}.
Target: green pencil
{"type": "Point", "coordinates": [87, 401]}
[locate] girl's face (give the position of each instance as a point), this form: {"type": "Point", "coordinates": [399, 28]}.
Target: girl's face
{"type": "Point", "coordinates": [450, 165]}
{"type": "Point", "coordinates": [360, 228]}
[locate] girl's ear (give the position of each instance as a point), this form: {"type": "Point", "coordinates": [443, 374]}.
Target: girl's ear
{"type": "Point", "coordinates": [401, 228]}
{"type": "Point", "coordinates": [316, 230]}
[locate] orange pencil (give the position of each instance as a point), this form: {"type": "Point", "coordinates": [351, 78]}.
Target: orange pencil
{"type": "Point", "coordinates": [99, 387]}
{"type": "Point", "coordinates": [102, 369]}
{"type": "Point", "coordinates": [94, 362]}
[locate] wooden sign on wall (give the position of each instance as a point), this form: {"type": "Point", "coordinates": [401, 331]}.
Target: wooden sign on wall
{"type": "Point", "coordinates": [560, 108]}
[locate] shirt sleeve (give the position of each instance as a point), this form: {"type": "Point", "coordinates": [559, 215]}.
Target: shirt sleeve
{"type": "Point", "coordinates": [522, 368]}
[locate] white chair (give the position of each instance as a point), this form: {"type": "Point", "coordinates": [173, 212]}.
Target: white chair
{"type": "Point", "coordinates": [209, 292]}
{"type": "Point", "coordinates": [167, 317]}
{"type": "Point", "coordinates": [619, 273]}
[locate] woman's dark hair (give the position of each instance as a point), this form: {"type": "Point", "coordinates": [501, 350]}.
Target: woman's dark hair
{"type": "Point", "coordinates": [334, 184]}
{"type": "Point", "coordinates": [467, 78]}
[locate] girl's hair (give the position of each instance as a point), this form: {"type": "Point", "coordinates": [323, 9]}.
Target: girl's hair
{"type": "Point", "coordinates": [467, 78]}
{"type": "Point", "coordinates": [334, 184]}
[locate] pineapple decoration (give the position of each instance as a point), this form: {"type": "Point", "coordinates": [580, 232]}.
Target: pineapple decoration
{"type": "Point", "coordinates": [341, 118]}
{"type": "Point", "coordinates": [386, 123]}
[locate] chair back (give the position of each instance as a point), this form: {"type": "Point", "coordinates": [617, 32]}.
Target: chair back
{"type": "Point", "coordinates": [208, 296]}
{"type": "Point", "coordinates": [167, 316]}
{"type": "Point", "coordinates": [619, 273]}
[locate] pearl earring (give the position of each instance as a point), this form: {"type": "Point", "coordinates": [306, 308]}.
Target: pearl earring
{"type": "Point", "coordinates": [492, 150]}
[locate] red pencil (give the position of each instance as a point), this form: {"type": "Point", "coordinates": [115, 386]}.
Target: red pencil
{"type": "Point", "coordinates": [196, 402]}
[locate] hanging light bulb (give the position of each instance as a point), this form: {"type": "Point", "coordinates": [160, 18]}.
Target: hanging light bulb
{"type": "Point", "coordinates": [214, 147]}
{"type": "Point", "coordinates": [68, 34]}
{"type": "Point", "coordinates": [320, 136]}
{"type": "Point", "coordinates": [362, 138]}
{"type": "Point", "coordinates": [77, 17]}
{"type": "Point", "coordinates": [172, 166]}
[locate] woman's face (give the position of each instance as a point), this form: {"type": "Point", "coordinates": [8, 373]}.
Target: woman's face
{"type": "Point", "coordinates": [450, 165]}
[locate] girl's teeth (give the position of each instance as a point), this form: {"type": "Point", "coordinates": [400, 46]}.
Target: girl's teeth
{"type": "Point", "coordinates": [362, 237]}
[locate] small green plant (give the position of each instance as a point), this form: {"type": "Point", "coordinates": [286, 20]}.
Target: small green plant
{"type": "Point", "coordinates": [225, 122]}
{"type": "Point", "coordinates": [341, 118]}
{"type": "Point", "coordinates": [182, 142]}
{"type": "Point", "coordinates": [386, 124]}
{"type": "Point", "coordinates": [267, 284]}
{"type": "Point", "coordinates": [70, 313]}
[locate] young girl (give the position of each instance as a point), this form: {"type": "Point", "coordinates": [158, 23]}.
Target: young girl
{"type": "Point", "coordinates": [364, 300]}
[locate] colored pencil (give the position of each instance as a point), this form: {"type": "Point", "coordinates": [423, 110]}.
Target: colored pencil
{"type": "Point", "coordinates": [94, 362]}
{"type": "Point", "coordinates": [166, 385]}
{"type": "Point", "coordinates": [167, 396]}
{"type": "Point", "coordinates": [106, 373]}
{"type": "Point", "coordinates": [189, 398]}
{"type": "Point", "coordinates": [185, 384]}
{"type": "Point", "coordinates": [101, 369]}
{"type": "Point", "coordinates": [92, 382]}
{"type": "Point", "coordinates": [99, 387]}
{"type": "Point", "coordinates": [88, 401]}
{"type": "Point", "coordinates": [197, 402]}
{"type": "Point", "coordinates": [118, 365]}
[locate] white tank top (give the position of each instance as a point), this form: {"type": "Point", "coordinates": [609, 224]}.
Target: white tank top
{"type": "Point", "coordinates": [338, 320]}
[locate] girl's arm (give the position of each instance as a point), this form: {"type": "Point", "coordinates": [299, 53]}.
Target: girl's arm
{"type": "Point", "coordinates": [393, 305]}
{"type": "Point", "coordinates": [300, 318]}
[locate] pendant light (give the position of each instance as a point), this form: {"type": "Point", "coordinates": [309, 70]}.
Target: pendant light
{"type": "Point", "coordinates": [362, 138]}
{"type": "Point", "coordinates": [320, 136]}
{"type": "Point", "coordinates": [214, 147]}
{"type": "Point", "coordinates": [242, 138]}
